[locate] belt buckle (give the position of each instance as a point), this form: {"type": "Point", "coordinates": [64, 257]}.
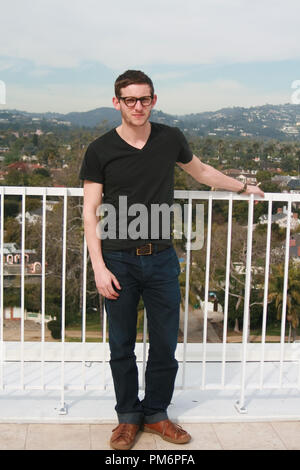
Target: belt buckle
{"type": "Point", "coordinates": [144, 250]}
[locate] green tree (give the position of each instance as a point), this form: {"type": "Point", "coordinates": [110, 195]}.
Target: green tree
{"type": "Point", "coordinates": [16, 178]}
{"type": "Point", "coordinates": [276, 294]}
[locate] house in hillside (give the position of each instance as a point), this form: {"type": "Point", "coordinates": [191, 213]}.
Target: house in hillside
{"type": "Point", "coordinates": [281, 218]}
{"type": "Point", "coordinates": [294, 185]}
{"type": "Point", "coordinates": [281, 180]}
{"type": "Point", "coordinates": [12, 260]}
{"type": "Point", "coordinates": [248, 177]}
{"type": "Point", "coordinates": [35, 216]}
{"type": "Point", "coordinates": [295, 247]}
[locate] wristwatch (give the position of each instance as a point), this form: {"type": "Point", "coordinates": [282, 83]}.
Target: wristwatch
{"type": "Point", "coordinates": [244, 188]}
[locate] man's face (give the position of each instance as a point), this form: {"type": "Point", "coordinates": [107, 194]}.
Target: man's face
{"type": "Point", "coordinates": [138, 115]}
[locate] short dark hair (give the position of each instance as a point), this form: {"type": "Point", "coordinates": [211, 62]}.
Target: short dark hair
{"type": "Point", "coordinates": [131, 77]}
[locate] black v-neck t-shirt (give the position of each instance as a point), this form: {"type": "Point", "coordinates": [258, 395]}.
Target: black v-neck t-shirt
{"type": "Point", "coordinates": [145, 176]}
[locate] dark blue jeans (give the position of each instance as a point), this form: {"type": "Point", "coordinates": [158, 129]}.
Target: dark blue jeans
{"type": "Point", "coordinates": [155, 278]}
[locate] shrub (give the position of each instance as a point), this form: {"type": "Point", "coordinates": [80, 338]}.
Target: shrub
{"type": "Point", "coordinates": [55, 327]}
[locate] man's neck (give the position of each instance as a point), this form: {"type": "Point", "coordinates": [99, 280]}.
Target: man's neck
{"type": "Point", "coordinates": [136, 136]}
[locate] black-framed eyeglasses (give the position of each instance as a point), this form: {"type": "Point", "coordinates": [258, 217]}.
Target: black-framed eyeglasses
{"type": "Point", "coordinates": [130, 101]}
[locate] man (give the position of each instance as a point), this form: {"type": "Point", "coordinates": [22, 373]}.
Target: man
{"type": "Point", "coordinates": [136, 161]}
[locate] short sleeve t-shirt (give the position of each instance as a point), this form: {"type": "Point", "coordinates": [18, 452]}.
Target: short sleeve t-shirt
{"type": "Point", "coordinates": [134, 181]}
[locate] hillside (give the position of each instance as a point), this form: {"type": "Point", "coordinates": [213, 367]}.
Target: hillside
{"type": "Point", "coordinates": [281, 122]}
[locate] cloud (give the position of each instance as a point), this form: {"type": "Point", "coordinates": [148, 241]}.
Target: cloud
{"type": "Point", "coordinates": [63, 33]}
{"type": "Point", "coordinates": [63, 55]}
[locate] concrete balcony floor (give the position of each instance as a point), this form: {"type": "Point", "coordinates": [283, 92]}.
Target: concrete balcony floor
{"type": "Point", "coordinates": [30, 419]}
{"type": "Point", "coordinates": [278, 435]}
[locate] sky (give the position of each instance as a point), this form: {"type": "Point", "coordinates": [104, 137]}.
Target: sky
{"type": "Point", "coordinates": [202, 55]}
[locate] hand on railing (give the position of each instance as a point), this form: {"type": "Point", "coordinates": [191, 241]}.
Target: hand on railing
{"type": "Point", "coordinates": [251, 189]}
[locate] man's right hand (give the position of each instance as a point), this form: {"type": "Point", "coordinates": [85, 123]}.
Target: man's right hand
{"type": "Point", "coordinates": [105, 282]}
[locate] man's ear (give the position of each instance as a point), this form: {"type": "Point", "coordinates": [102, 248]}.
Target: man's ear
{"type": "Point", "coordinates": [116, 103]}
{"type": "Point", "coordinates": [154, 101]}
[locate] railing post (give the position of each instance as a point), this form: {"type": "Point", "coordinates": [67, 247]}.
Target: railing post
{"type": "Point", "coordinates": [63, 408]}
{"type": "Point", "coordinates": [144, 348]}
{"type": "Point", "coordinates": [207, 266]}
{"type": "Point", "coordinates": [227, 282]}
{"type": "Point", "coordinates": [240, 405]}
{"type": "Point", "coordinates": [43, 297]}
{"type": "Point", "coordinates": [104, 330]}
{"type": "Point", "coordinates": [266, 290]}
{"type": "Point", "coordinates": [83, 334]}
{"type": "Point", "coordinates": [285, 288]}
{"type": "Point", "coordinates": [23, 284]}
{"type": "Point", "coordinates": [1, 288]}
{"type": "Point", "coordinates": [187, 288]}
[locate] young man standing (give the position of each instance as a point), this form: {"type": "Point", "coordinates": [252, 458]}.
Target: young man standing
{"type": "Point", "coordinates": [136, 161]}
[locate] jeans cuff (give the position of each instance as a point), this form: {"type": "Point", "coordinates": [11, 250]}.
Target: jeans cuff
{"type": "Point", "coordinates": [151, 419]}
{"type": "Point", "coordinates": [130, 418]}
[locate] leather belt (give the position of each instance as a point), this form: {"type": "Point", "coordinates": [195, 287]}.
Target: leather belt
{"type": "Point", "coordinates": [147, 249]}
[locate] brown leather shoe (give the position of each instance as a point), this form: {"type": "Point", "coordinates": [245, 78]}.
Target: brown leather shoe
{"type": "Point", "coordinates": [124, 436]}
{"type": "Point", "coordinates": [168, 431]}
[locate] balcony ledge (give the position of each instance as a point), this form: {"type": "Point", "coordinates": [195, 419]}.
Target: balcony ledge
{"type": "Point", "coordinates": [94, 403]}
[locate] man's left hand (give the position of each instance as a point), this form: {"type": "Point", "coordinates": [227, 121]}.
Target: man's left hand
{"type": "Point", "coordinates": [251, 189]}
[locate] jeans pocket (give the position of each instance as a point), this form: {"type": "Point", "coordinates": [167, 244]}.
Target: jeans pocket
{"type": "Point", "coordinates": [167, 265]}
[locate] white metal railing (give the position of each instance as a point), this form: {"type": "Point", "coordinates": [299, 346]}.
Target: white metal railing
{"type": "Point", "coordinates": [21, 353]}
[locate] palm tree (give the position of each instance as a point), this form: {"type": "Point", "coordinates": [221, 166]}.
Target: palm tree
{"type": "Point", "coordinates": [276, 293]}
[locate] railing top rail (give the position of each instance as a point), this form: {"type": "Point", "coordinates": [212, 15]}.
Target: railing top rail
{"type": "Point", "coordinates": [178, 194]}
{"type": "Point", "coordinates": [226, 195]}
{"type": "Point", "coordinates": [40, 191]}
